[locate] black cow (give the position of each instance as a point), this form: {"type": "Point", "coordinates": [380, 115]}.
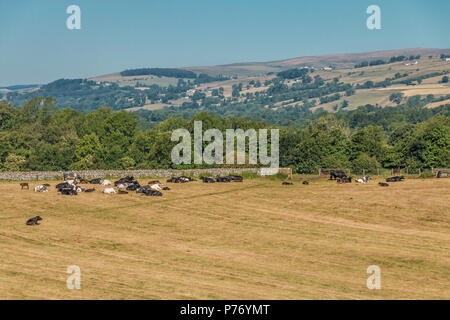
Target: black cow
{"type": "Point", "coordinates": [337, 174]}
{"type": "Point", "coordinates": [235, 178]}
{"type": "Point", "coordinates": [344, 180]}
{"type": "Point", "coordinates": [68, 192]}
{"type": "Point", "coordinates": [128, 179]}
{"type": "Point", "coordinates": [208, 179]}
{"type": "Point", "coordinates": [395, 179]}
{"type": "Point", "coordinates": [33, 221]}
{"type": "Point", "coordinates": [383, 184]}
{"type": "Point", "coordinates": [154, 193]}
{"type": "Point", "coordinates": [95, 181]}
{"type": "Point", "coordinates": [223, 179]}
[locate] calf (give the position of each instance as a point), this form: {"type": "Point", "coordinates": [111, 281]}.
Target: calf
{"type": "Point", "coordinates": [33, 221]}
{"type": "Point", "coordinates": [383, 184]}
{"type": "Point", "coordinates": [24, 184]}
{"type": "Point", "coordinates": [285, 183]}
{"type": "Point", "coordinates": [305, 182]}
{"type": "Point", "coordinates": [90, 190]}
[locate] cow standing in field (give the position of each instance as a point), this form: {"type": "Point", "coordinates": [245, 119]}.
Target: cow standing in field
{"type": "Point", "coordinates": [337, 174]}
{"type": "Point", "coordinates": [23, 185]}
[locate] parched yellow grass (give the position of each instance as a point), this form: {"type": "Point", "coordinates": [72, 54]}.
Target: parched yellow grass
{"type": "Point", "coordinates": [251, 240]}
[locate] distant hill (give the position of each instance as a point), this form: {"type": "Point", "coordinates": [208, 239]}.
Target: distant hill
{"type": "Point", "coordinates": [331, 82]}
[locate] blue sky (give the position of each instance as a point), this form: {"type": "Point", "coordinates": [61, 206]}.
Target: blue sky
{"type": "Point", "coordinates": [36, 46]}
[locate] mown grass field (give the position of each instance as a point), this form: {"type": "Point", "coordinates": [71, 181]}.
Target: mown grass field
{"type": "Point", "coordinates": [251, 240]}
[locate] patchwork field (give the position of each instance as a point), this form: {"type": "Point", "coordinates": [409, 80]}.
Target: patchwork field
{"type": "Point", "coordinates": [251, 240]}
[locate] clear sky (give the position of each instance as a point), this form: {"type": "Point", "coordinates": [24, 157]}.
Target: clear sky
{"type": "Point", "coordinates": [37, 47]}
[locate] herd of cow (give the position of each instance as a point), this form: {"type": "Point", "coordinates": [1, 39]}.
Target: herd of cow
{"type": "Point", "coordinates": [72, 184]}
{"type": "Point", "coordinates": [341, 177]}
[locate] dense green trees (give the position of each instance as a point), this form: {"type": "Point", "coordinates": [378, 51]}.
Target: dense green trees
{"type": "Point", "coordinates": [37, 136]}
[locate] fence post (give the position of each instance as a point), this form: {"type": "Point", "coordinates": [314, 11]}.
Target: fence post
{"type": "Point", "coordinates": [364, 172]}
{"type": "Point", "coordinates": [378, 171]}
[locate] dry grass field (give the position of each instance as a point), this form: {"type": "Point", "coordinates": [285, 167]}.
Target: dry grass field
{"type": "Point", "coordinates": [251, 240]}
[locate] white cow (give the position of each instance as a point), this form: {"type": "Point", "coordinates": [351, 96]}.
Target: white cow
{"type": "Point", "coordinates": [106, 183]}
{"type": "Point", "coordinates": [109, 191]}
{"type": "Point", "coordinates": [40, 188]}
{"type": "Point", "coordinates": [156, 186]}
{"type": "Point", "coordinates": [363, 179]}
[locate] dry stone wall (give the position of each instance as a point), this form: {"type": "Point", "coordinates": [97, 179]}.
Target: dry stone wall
{"type": "Point", "coordinates": [58, 175]}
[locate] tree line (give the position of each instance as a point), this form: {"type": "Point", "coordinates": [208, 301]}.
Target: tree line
{"type": "Point", "coordinates": [39, 136]}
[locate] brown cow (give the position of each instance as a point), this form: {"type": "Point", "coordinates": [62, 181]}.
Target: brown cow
{"type": "Point", "coordinates": [24, 184]}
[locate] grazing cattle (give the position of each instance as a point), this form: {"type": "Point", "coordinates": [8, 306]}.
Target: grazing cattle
{"type": "Point", "coordinates": [395, 179]}
{"type": "Point", "coordinates": [34, 221]}
{"type": "Point", "coordinates": [363, 179]}
{"type": "Point", "coordinates": [109, 191]}
{"type": "Point", "coordinates": [305, 182]}
{"type": "Point", "coordinates": [122, 192]}
{"type": "Point", "coordinates": [106, 183]}
{"type": "Point", "coordinates": [40, 188]}
{"type": "Point", "coordinates": [344, 180]}
{"type": "Point", "coordinates": [95, 181]}
{"type": "Point", "coordinates": [337, 174]}
{"type": "Point", "coordinates": [383, 184]}
{"type": "Point", "coordinates": [285, 183]}
{"type": "Point", "coordinates": [24, 184]}
{"type": "Point", "coordinates": [90, 190]}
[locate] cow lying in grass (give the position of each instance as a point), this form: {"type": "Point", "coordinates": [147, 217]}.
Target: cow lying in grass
{"type": "Point", "coordinates": [383, 184]}
{"type": "Point", "coordinates": [395, 179]}
{"type": "Point", "coordinates": [285, 183]}
{"type": "Point", "coordinates": [34, 221]}
{"type": "Point", "coordinates": [109, 191]}
{"type": "Point", "coordinates": [344, 180]}
{"type": "Point", "coordinates": [40, 188]}
{"type": "Point", "coordinates": [363, 179]}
